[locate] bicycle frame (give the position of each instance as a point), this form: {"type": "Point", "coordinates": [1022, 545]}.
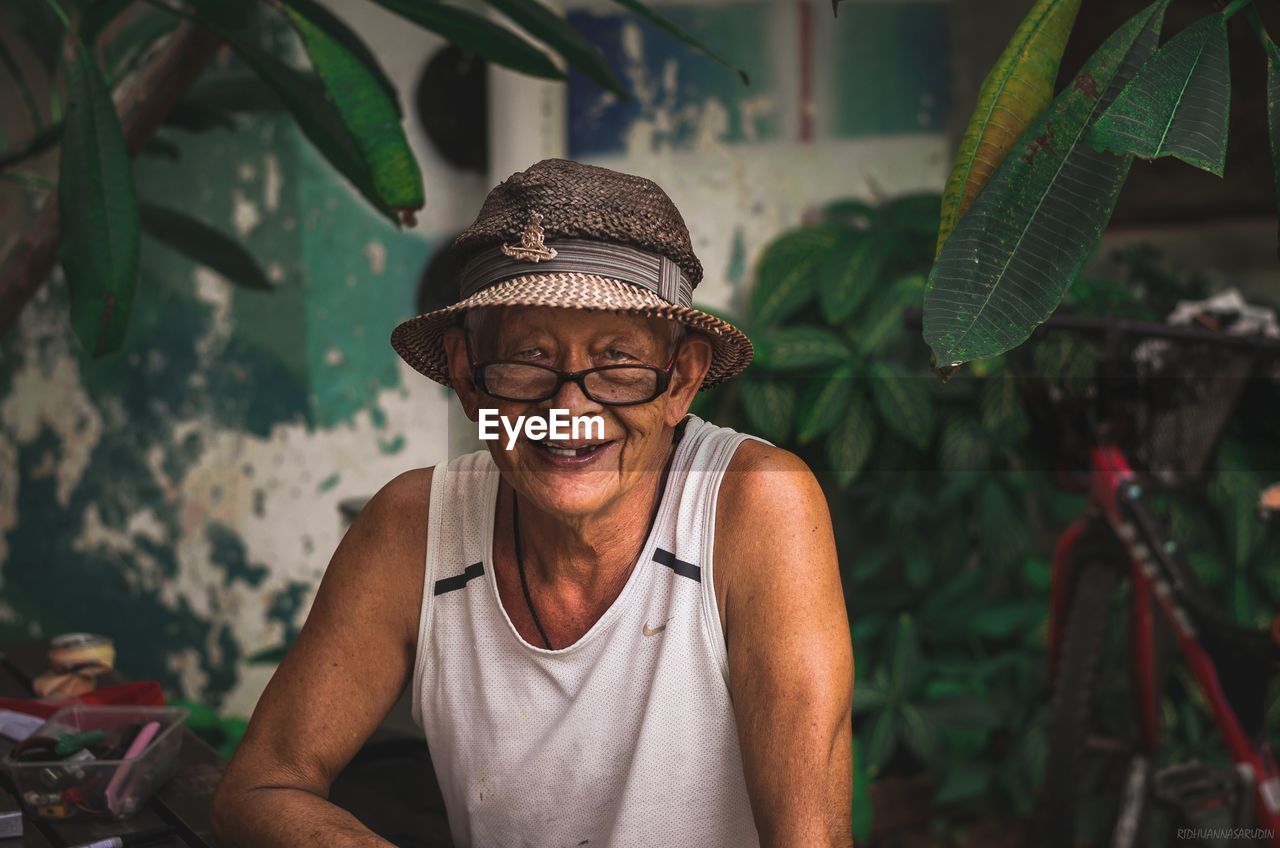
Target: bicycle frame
{"type": "Point", "coordinates": [1116, 494]}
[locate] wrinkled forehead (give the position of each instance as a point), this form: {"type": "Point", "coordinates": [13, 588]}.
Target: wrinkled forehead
{"type": "Point", "coordinates": [497, 326]}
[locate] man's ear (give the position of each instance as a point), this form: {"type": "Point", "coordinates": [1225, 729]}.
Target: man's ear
{"type": "Point", "coordinates": [455, 348]}
{"type": "Point", "coordinates": [693, 360]}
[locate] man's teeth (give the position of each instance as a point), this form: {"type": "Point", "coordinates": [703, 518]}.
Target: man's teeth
{"type": "Point", "coordinates": [561, 450]}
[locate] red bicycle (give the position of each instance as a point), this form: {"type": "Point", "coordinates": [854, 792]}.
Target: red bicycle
{"type": "Point", "coordinates": [1124, 604]}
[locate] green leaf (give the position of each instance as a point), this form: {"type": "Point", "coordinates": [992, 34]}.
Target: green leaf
{"type": "Point", "coordinates": [823, 402]}
{"type": "Point", "coordinates": [904, 402]}
{"type": "Point", "coordinates": [1037, 574]}
{"type": "Point", "coordinates": [963, 445]}
{"type": "Point", "coordinates": [786, 274]}
{"type": "Point", "coordinates": [234, 92]}
{"type": "Point", "coordinates": [204, 244]}
{"type": "Point", "coordinates": [799, 348]}
{"type": "Point", "coordinates": [1005, 267]}
{"type": "Point", "coordinates": [869, 696]}
{"type": "Point", "coordinates": [369, 112]}
{"type": "Point", "coordinates": [558, 34]}
{"type": "Point", "coordinates": [1005, 536]}
{"type": "Point", "coordinates": [883, 321]}
{"type": "Point", "coordinates": [1005, 620]}
{"type": "Point", "coordinates": [1178, 102]}
{"type": "Point", "coordinates": [1015, 91]}
{"type": "Point", "coordinates": [849, 444]}
{"type": "Point", "coordinates": [770, 407]}
{"type": "Point", "coordinates": [866, 627]}
{"type": "Point", "coordinates": [304, 96]}
{"type": "Point", "coordinates": [99, 211]}
{"type": "Point", "coordinates": [849, 272]}
{"type": "Point", "coordinates": [668, 26]}
{"type": "Point", "coordinates": [334, 28]}
{"type": "Point", "coordinates": [904, 655]}
{"type": "Point", "coordinates": [881, 741]}
{"type": "Point", "coordinates": [1001, 406]}
{"type": "Point", "coordinates": [476, 34]}
{"type": "Point", "coordinates": [920, 733]}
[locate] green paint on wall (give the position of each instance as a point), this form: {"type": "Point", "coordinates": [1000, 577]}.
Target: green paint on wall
{"type": "Point", "coordinates": [329, 482]}
{"type": "Point", "coordinates": [250, 350]}
{"type": "Point", "coordinates": [890, 70]}
{"type": "Point", "coordinates": [390, 446]}
{"type": "Point", "coordinates": [362, 281]}
{"type": "Point", "coordinates": [227, 551]}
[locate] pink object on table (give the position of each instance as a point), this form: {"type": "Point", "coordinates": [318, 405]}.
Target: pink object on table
{"type": "Point", "coordinates": [117, 785]}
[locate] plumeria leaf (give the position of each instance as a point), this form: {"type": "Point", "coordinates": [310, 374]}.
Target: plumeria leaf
{"type": "Point", "coordinates": [1178, 102]}
{"type": "Point", "coordinates": [99, 211]}
{"type": "Point", "coordinates": [668, 26]}
{"type": "Point", "coordinates": [1013, 94]}
{"type": "Point", "coordinates": [476, 34]}
{"type": "Point", "coordinates": [204, 244]}
{"type": "Point", "coordinates": [358, 90]}
{"type": "Point", "coordinates": [1006, 266]}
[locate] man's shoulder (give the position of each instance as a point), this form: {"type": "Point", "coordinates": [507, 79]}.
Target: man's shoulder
{"type": "Point", "coordinates": [761, 477]}
{"type": "Point", "coordinates": [407, 491]}
{"type": "Point", "coordinates": [394, 521]}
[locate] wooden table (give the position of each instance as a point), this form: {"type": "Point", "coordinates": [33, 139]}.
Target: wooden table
{"type": "Point", "coordinates": [183, 802]}
{"type": "Point", "coordinates": [389, 785]}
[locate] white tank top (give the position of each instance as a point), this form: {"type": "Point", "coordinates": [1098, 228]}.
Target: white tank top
{"type": "Point", "coordinates": [626, 737]}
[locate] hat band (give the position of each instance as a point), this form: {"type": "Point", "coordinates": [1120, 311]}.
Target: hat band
{"type": "Point", "coordinates": [650, 271]}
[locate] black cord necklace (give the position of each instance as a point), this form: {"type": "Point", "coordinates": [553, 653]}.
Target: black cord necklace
{"type": "Point", "coordinates": [515, 522]}
{"type": "Point", "coordinates": [524, 582]}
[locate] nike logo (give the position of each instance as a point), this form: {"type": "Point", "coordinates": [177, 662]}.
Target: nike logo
{"type": "Point", "coordinates": [651, 631]}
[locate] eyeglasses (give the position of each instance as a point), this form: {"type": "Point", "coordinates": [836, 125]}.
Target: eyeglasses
{"type": "Point", "coordinates": [612, 385]}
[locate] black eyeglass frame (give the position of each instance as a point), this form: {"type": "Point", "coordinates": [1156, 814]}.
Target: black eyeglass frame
{"type": "Point", "coordinates": [580, 377]}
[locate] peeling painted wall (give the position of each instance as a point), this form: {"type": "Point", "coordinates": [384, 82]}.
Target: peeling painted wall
{"type": "Point", "coordinates": [183, 494]}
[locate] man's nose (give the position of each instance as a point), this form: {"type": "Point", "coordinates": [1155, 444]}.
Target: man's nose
{"type": "Point", "coordinates": [571, 395]}
{"type": "Point", "coordinates": [572, 398]}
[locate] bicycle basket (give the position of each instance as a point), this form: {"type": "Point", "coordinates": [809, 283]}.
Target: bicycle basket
{"type": "Point", "coordinates": [1164, 402]}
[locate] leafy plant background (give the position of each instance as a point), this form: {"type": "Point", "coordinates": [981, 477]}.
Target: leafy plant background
{"type": "Point", "coordinates": [343, 102]}
{"type": "Point", "coordinates": [944, 509]}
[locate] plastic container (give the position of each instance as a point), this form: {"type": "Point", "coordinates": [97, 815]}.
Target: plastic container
{"type": "Point", "coordinates": [87, 785]}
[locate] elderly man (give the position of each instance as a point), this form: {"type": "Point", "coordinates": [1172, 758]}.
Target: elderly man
{"type": "Point", "coordinates": [631, 636]}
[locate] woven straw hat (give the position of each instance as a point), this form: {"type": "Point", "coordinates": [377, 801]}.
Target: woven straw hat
{"type": "Point", "coordinates": [576, 236]}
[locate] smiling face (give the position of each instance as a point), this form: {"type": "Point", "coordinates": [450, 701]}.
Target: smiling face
{"type": "Point", "coordinates": [584, 476]}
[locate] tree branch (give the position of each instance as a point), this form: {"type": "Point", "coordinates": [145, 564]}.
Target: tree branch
{"type": "Point", "coordinates": [149, 97]}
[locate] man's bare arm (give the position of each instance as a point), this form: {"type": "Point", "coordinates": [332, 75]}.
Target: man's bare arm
{"type": "Point", "coordinates": [348, 666]}
{"type": "Point", "coordinates": [790, 655]}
